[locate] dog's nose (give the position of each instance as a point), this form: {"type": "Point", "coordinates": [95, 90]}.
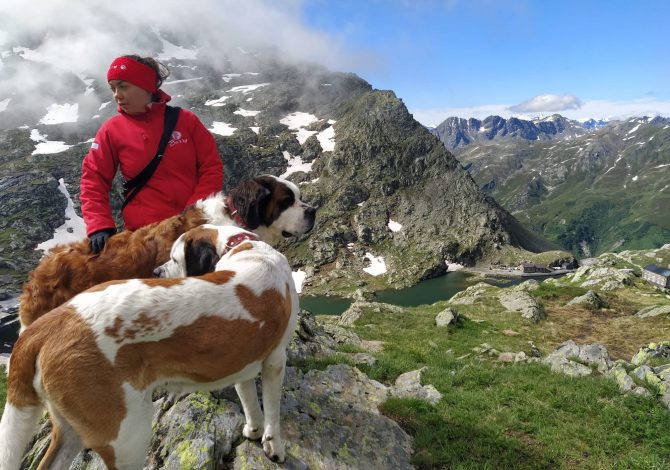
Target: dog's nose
{"type": "Point", "coordinates": [310, 212]}
{"type": "Point", "coordinates": [158, 272]}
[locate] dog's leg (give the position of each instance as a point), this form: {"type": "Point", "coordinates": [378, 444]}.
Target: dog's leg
{"type": "Point", "coordinates": [64, 446]}
{"type": "Point", "coordinates": [132, 443]}
{"type": "Point", "coordinates": [16, 428]}
{"type": "Point", "coordinates": [252, 410]}
{"type": "Point", "coordinates": [273, 376]}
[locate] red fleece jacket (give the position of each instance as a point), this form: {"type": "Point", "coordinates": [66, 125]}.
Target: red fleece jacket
{"type": "Point", "coordinates": [191, 167]}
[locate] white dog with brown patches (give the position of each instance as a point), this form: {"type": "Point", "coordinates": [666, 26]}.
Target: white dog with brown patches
{"type": "Point", "coordinates": [95, 361]}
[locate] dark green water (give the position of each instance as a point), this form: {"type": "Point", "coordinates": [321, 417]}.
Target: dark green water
{"type": "Point", "coordinates": [425, 292]}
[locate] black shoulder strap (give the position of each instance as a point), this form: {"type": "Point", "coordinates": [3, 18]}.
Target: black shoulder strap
{"type": "Point", "coordinates": [133, 186]}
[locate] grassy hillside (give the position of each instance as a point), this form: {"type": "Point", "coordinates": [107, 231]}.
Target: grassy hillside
{"type": "Point", "coordinates": [500, 415]}
{"type": "Point", "coordinates": [591, 194]}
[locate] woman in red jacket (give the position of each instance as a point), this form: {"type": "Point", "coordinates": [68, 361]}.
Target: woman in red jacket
{"type": "Point", "coordinates": [190, 169]}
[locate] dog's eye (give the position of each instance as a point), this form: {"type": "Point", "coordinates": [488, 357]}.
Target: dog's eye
{"type": "Point", "coordinates": [287, 202]}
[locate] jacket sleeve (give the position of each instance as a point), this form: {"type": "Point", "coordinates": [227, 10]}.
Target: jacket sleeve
{"type": "Point", "coordinates": [210, 166]}
{"type": "Point", "coordinates": [97, 173]}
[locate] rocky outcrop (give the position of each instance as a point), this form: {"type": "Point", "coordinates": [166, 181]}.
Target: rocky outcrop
{"type": "Point", "coordinates": [330, 419]}
{"type": "Point", "coordinates": [653, 311]}
{"type": "Point", "coordinates": [606, 278]}
{"type": "Point", "coordinates": [577, 361]}
{"type": "Point", "coordinates": [589, 300]}
{"type": "Point", "coordinates": [355, 311]}
{"type": "Point", "coordinates": [516, 299]}
{"type": "Point", "coordinates": [639, 376]}
{"type": "Point", "coordinates": [522, 301]}
{"type": "Point", "coordinates": [471, 295]}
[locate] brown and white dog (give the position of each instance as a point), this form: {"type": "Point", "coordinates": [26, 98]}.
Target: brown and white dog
{"type": "Point", "coordinates": [267, 205]}
{"type": "Point", "coordinates": [95, 360]}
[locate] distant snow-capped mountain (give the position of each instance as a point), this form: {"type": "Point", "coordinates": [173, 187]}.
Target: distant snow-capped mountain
{"type": "Point", "coordinates": [457, 132]}
{"type": "Point", "coordinates": [606, 190]}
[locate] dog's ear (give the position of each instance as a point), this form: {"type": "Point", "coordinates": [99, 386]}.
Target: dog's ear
{"type": "Point", "coordinates": [201, 257]}
{"type": "Point", "coordinates": [250, 199]}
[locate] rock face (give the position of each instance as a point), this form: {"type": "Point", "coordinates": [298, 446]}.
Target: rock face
{"type": "Point", "coordinates": [516, 299]}
{"type": "Point", "coordinates": [471, 295]}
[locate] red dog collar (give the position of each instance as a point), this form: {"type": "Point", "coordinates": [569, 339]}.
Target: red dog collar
{"type": "Point", "coordinates": [234, 213]}
{"type": "Point", "coordinates": [237, 239]}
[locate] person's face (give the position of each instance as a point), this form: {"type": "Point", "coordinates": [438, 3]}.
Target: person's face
{"type": "Point", "coordinates": [130, 98]}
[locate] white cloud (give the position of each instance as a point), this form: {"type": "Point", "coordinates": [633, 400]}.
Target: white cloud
{"type": "Point", "coordinates": [548, 103]}
{"type": "Point", "coordinates": [82, 37]}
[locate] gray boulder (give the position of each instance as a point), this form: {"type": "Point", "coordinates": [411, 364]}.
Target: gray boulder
{"type": "Point", "coordinates": [471, 295]}
{"type": "Point", "coordinates": [589, 300]}
{"type": "Point", "coordinates": [574, 360]}
{"type": "Point", "coordinates": [310, 340]}
{"type": "Point", "coordinates": [653, 311]}
{"type": "Point", "coordinates": [522, 301]}
{"type": "Point", "coordinates": [653, 350]}
{"type": "Point", "coordinates": [331, 420]}
{"type": "Point", "coordinates": [354, 312]}
{"type": "Point", "coordinates": [447, 317]}
{"type": "Point", "coordinates": [621, 377]}
{"type": "Point", "coordinates": [408, 385]}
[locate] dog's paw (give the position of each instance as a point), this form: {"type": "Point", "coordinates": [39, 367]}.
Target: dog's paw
{"type": "Point", "coordinates": [252, 433]}
{"type": "Point", "coordinates": [274, 448]}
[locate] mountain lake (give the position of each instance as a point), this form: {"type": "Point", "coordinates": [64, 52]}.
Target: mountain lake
{"type": "Point", "coordinates": [424, 293]}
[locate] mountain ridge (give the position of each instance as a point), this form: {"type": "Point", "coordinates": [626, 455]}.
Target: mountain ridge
{"type": "Point", "coordinates": [381, 165]}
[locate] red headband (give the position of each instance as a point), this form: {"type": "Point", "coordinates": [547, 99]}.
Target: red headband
{"type": "Point", "coordinates": [132, 71]}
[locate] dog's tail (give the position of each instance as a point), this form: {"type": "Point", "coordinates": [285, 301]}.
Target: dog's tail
{"type": "Point", "coordinates": [23, 407]}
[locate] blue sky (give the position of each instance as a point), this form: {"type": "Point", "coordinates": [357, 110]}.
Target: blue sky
{"type": "Point", "coordinates": [585, 58]}
{"type": "Point", "coordinates": [467, 58]}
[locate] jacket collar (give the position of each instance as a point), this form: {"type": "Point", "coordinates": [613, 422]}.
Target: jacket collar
{"type": "Point", "coordinates": [151, 109]}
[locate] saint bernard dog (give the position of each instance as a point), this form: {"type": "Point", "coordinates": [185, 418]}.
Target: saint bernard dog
{"type": "Point", "coordinates": [267, 205]}
{"type": "Point", "coordinates": [95, 360]}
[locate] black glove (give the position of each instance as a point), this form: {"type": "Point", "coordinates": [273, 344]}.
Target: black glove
{"type": "Point", "coordinates": [98, 239]}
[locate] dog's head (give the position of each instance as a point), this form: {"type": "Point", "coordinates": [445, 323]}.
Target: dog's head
{"type": "Point", "coordinates": [272, 208]}
{"type": "Point", "coordinates": [197, 251]}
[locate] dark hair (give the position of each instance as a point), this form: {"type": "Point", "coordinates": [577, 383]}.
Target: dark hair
{"type": "Point", "coordinates": [162, 72]}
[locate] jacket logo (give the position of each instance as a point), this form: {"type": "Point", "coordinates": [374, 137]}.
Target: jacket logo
{"type": "Point", "coordinates": [177, 139]}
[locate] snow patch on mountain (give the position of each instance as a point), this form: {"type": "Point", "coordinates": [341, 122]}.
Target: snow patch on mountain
{"type": "Point", "coordinates": [59, 113]}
